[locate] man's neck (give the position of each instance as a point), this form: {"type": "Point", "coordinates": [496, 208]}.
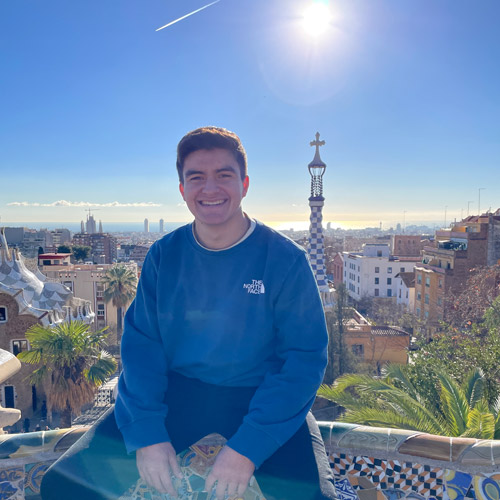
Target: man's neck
{"type": "Point", "coordinates": [218, 237]}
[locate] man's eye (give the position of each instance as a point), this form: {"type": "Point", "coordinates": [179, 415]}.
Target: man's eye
{"type": "Point", "coordinates": [194, 178]}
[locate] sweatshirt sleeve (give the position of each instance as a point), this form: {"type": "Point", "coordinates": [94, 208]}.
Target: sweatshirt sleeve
{"type": "Point", "coordinates": [280, 404]}
{"type": "Point", "coordinates": [140, 408]}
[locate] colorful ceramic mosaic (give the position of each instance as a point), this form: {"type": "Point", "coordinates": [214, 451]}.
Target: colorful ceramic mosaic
{"type": "Point", "coordinates": [359, 476]}
{"type": "Point", "coordinates": [366, 473]}
{"type": "Point", "coordinates": [12, 483]}
{"type": "Point", "coordinates": [364, 478]}
{"type": "Point", "coordinates": [195, 463]}
{"type": "Point", "coordinates": [33, 477]}
{"type": "Point", "coordinates": [487, 488]}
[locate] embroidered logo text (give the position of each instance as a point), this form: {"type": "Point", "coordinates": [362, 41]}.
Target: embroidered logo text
{"type": "Point", "coordinates": [256, 287]}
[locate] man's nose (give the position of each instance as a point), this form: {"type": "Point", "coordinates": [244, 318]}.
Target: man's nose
{"type": "Point", "coordinates": [210, 185]}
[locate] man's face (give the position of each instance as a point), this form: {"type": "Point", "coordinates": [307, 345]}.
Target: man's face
{"type": "Point", "coordinates": [212, 187]}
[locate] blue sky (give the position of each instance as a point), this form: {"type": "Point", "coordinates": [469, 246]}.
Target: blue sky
{"type": "Point", "coordinates": [405, 93]}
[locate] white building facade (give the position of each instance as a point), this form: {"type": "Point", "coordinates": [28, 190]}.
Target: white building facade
{"type": "Point", "coordinates": [372, 272]}
{"type": "Point", "coordinates": [405, 290]}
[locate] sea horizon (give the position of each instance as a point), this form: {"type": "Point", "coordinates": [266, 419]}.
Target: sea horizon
{"type": "Point", "coordinates": [123, 227]}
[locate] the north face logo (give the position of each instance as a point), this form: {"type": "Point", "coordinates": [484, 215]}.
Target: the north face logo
{"type": "Point", "coordinates": [256, 287]}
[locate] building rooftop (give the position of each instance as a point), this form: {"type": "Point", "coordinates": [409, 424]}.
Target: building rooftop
{"type": "Point", "coordinates": [391, 331]}
{"type": "Point", "coordinates": [54, 255]}
{"type": "Point", "coordinates": [407, 278]}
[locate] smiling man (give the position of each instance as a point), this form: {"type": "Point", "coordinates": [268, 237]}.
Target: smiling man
{"type": "Point", "coordinates": [226, 335]}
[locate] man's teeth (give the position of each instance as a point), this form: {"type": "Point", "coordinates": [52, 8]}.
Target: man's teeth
{"type": "Point", "coordinates": [218, 202]}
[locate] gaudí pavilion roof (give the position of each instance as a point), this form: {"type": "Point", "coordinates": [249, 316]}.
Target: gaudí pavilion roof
{"type": "Point", "coordinates": [50, 302]}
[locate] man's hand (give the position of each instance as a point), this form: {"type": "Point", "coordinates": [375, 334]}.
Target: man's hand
{"type": "Point", "coordinates": [232, 471]}
{"type": "Point", "coordinates": [156, 464]}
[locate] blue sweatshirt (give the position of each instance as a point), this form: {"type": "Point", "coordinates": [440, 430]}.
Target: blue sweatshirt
{"type": "Point", "coordinates": [249, 315]}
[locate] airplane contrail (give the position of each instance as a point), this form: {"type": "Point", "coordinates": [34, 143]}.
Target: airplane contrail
{"type": "Point", "coordinates": [187, 15]}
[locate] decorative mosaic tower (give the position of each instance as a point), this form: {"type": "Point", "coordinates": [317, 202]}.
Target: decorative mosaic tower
{"type": "Point", "coordinates": [316, 201]}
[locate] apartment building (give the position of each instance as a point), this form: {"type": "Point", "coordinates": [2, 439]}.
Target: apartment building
{"type": "Point", "coordinates": [407, 245]}
{"type": "Point", "coordinates": [372, 272]}
{"type": "Point", "coordinates": [103, 246]}
{"type": "Point", "coordinates": [30, 241]}
{"type": "Point", "coordinates": [445, 266]}
{"type": "Point", "coordinates": [86, 281]}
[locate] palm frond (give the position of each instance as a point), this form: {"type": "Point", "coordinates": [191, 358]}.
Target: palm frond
{"type": "Point", "coordinates": [67, 354]}
{"type": "Point", "coordinates": [378, 418]}
{"type": "Point", "coordinates": [101, 370]}
{"type": "Point", "coordinates": [121, 284]}
{"type": "Point", "coordinates": [474, 386]}
{"type": "Point", "coordinates": [481, 423]}
{"type": "Point", "coordinates": [496, 434]}
{"type": "Point", "coordinates": [398, 372]}
{"type": "Point", "coordinates": [455, 404]}
{"type": "Point", "coordinates": [359, 392]}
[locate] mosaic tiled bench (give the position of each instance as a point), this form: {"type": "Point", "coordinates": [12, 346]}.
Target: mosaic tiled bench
{"type": "Point", "coordinates": [389, 464]}
{"type": "Point", "coordinates": [368, 462]}
{"type": "Point", "coordinates": [24, 458]}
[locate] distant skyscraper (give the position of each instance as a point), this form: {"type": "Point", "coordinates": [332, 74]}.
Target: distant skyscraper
{"type": "Point", "coordinates": [82, 227]}
{"type": "Point", "coordinates": [100, 226]}
{"type": "Point", "coordinates": [162, 223]}
{"type": "Point", "coordinates": [146, 226]}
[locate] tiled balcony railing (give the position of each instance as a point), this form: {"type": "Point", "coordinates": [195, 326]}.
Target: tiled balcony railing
{"type": "Point", "coordinates": [369, 463]}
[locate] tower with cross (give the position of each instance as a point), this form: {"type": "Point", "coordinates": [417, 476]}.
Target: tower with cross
{"type": "Point", "coordinates": [316, 201]}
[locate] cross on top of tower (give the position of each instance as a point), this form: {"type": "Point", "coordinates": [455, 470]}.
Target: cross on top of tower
{"type": "Point", "coordinates": [317, 162]}
{"type": "Point", "coordinates": [317, 143]}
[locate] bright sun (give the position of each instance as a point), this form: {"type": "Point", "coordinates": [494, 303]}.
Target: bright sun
{"type": "Point", "coordinates": [317, 18]}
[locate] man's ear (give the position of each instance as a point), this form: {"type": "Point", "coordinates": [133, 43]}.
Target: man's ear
{"type": "Point", "coordinates": [181, 189]}
{"type": "Point", "coordinates": [246, 183]}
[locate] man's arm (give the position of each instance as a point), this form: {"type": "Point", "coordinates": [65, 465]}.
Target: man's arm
{"type": "Point", "coordinates": [280, 404]}
{"type": "Point", "coordinates": [140, 408]}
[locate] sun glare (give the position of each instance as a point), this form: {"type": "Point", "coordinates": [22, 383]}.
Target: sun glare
{"type": "Point", "coordinates": [317, 18]}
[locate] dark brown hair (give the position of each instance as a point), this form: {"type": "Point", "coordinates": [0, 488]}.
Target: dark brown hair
{"type": "Point", "coordinates": [211, 138]}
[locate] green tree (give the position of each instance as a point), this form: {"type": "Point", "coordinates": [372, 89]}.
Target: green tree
{"type": "Point", "coordinates": [121, 284]}
{"type": "Point", "coordinates": [340, 359]}
{"type": "Point", "coordinates": [63, 249]}
{"type": "Point", "coordinates": [395, 401]}
{"type": "Point", "coordinates": [81, 252]}
{"type": "Point", "coordinates": [72, 364]}
{"type": "Point", "coordinates": [458, 351]}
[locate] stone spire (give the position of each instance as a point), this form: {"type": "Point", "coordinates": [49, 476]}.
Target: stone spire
{"type": "Point", "coordinates": [316, 201]}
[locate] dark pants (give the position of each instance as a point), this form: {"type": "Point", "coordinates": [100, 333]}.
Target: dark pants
{"type": "Point", "coordinates": [299, 470]}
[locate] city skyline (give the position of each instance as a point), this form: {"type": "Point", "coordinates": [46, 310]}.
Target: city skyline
{"type": "Point", "coordinates": [405, 95]}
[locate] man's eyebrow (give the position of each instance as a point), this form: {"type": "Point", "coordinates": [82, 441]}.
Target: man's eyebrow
{"type": "Point", "coordinates": [226, 169]}
{"type": "Point", "coordinates": [229, 168]}
{"type": "Point", "coordinates": [192, 172]}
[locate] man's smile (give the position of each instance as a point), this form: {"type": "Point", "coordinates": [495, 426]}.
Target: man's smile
{"type": "Point", "coordinates": [211, 203]}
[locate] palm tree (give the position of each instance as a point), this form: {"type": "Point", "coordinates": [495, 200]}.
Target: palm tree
{"type": "Point", "coordinates": [396, 401]}
{"type": "Point", "coordinates": [121, 285]}
{"type": "Point", "coordinates": [72, 363]}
